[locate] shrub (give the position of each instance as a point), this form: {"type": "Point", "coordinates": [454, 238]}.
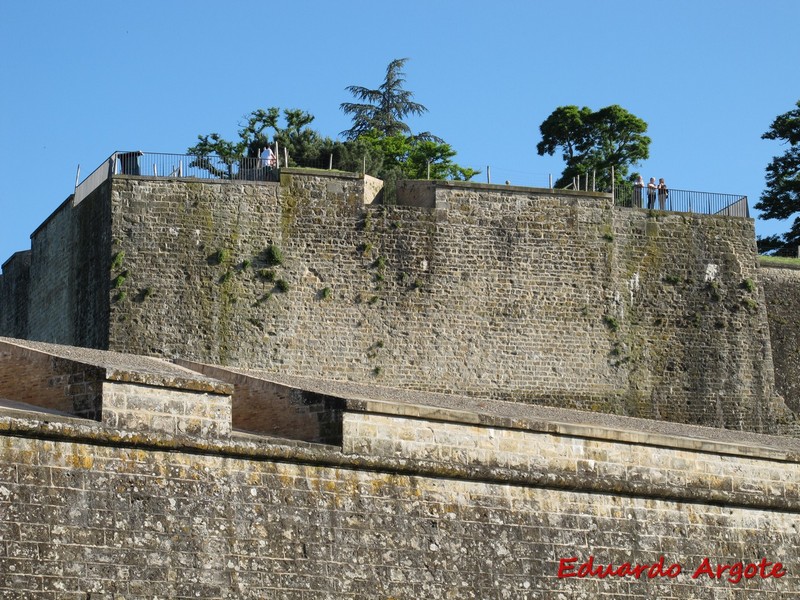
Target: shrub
{"type": "Point", "coordinates": [611, 322]}
{"type": "Point", "coordinates": [273, 255]}
{"type": "Point", "coordinates": [116, 260]}
{"type": "Point", "coordinates": [221, 255]}
{"type": "Point", "coordinates": [117, 282]}
{"type": "Point", "coordinates": [267, 274]}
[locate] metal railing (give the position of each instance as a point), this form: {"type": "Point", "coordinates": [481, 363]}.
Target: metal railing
{"type": "Point", "coordinates": [705, 203]}
{"type": "Point", "coordinates": [154, 164]}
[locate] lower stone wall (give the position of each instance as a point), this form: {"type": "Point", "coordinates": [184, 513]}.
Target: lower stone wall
{"type": "Point", "coordinates": [89, 512]}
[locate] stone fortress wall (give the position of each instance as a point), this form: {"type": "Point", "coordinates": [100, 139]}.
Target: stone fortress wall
{"type": "Point", "coordinates": [554, 298]}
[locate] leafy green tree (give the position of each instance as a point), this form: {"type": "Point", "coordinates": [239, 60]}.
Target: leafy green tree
{"type": "Point", "coordinates": [260, 129]}
{"type": "Point", "coordinates": [592, 141]}
{"type": "Point", "coordinates": [781, 198]}
{"type": "Point", "coordinates": [386, 142]}
{"type": "Point", "coordinates": [382, 109]}
{"type": "Point", "coordinates": [409, 157]}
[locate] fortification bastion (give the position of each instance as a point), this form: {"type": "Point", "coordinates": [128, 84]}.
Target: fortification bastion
{"type": "Point", "coordinates": [291, 389]}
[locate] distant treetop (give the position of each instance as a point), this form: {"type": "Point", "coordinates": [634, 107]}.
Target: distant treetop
{"type": "Point", "coordinates": [382, 109]}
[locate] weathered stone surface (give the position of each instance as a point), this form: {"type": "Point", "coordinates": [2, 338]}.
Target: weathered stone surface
{"type": "Point", "coordinates": [129, 392]}
{"type": "Point", "coordinates": [782, 291]}
{"type": "Point", "coordinates": [143, 515]}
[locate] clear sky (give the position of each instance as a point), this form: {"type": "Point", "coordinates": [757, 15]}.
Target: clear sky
{"type": "Point", "coordinates": [83, 79]}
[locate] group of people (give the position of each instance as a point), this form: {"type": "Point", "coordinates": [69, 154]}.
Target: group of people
{"type": "Point", "coordinates": [654, 190]}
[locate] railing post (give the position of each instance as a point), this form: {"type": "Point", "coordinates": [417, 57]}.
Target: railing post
{"type": "Point", "coordinates": [613, 185]}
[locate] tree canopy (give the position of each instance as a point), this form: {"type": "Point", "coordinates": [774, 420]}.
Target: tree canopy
{"type": "Point", "coordinates": [382, 109]}
{"type": "Point", "coordinates": [781, 198]}
{"type": "Point", "coordinates": [594, 141]}
{"type": "Point", "coordinates": [390, 148]}
{"type": "Point", "coordinates": [379, 142]}
{"type": "Point", "coordinates": [409, 157]}
{"type": "Point", "coordinates": [303, 144]}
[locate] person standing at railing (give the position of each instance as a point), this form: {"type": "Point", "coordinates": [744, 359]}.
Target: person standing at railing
{"type": "Point", "coordinates": [651, 193]}
{"type": "Point", "coordinates": [663, 194]}
{"type": "Point", "coordinates": [638, 187]}
{"type": "Point", "coordinates": [267, 157]}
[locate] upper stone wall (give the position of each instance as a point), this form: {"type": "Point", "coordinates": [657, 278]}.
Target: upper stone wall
{"type": "Point", "coordinates": [14, 292]}
{"type": "Point", "coordinates": [69, 277]}
{"type": "Point", "coordinates": [782, 290]}
{"type": "Point", "coordinates": [514, 293]}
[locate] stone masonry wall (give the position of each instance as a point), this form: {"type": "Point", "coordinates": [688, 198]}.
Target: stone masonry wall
{"type": "Point", "coordinates": [68, 293]}
{"type": "Point", "coordinates": [14, 284]}
{"type": "Point", "coordinates": [50, 382]}
{"type": "Point", "coordinates": [86, 511]}
{"type": "Point", "coordinates": [782, 291]}
{"type": "Point", "coordinates": [493, 291]}
{"type": "Point", "coordinates": [267, 408]}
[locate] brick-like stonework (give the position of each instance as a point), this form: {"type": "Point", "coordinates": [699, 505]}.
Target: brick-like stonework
{"type": "Point", "coordinates": [91, 511]}
{"type": "Point", "coordinates": [782, 290]}
{"type": "Point", "coordinates": [268, 408]}
{"type": "Point", "coordinates": [509, 293]}
{"type": "Point", "coordinates": [137, 393]}
{"type": "Point", "coordinates": [14, 294]}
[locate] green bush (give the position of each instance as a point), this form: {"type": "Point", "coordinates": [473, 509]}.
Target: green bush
{"type": "Point", "coordinates": [267, 274]}
{"type": "Point", "coordinates": [273, 255]}
{"type": "Point", "coordinates": [611, 322]}
{"type": "Point", "coordinates": [116, 260]}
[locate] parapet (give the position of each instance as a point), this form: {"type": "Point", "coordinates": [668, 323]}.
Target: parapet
{"type": "Point", "coordinates": [121, 391]}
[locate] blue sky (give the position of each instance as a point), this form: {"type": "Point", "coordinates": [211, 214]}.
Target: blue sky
{"type": "Point", "coordinates": [83, 79]}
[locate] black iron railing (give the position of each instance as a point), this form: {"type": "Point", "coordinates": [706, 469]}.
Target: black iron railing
{"type": "Point", "coordinates": [155, 164]}
{"type": "Point", "coordinates": [706, 203]}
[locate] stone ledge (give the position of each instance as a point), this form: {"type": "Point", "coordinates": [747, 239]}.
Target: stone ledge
{"type": "Point", "coordinates": [588, 430]}
{"type": "Point", "coordinates": [636, 484]}
{"type": "Point", "coordinates": [122, 367]}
